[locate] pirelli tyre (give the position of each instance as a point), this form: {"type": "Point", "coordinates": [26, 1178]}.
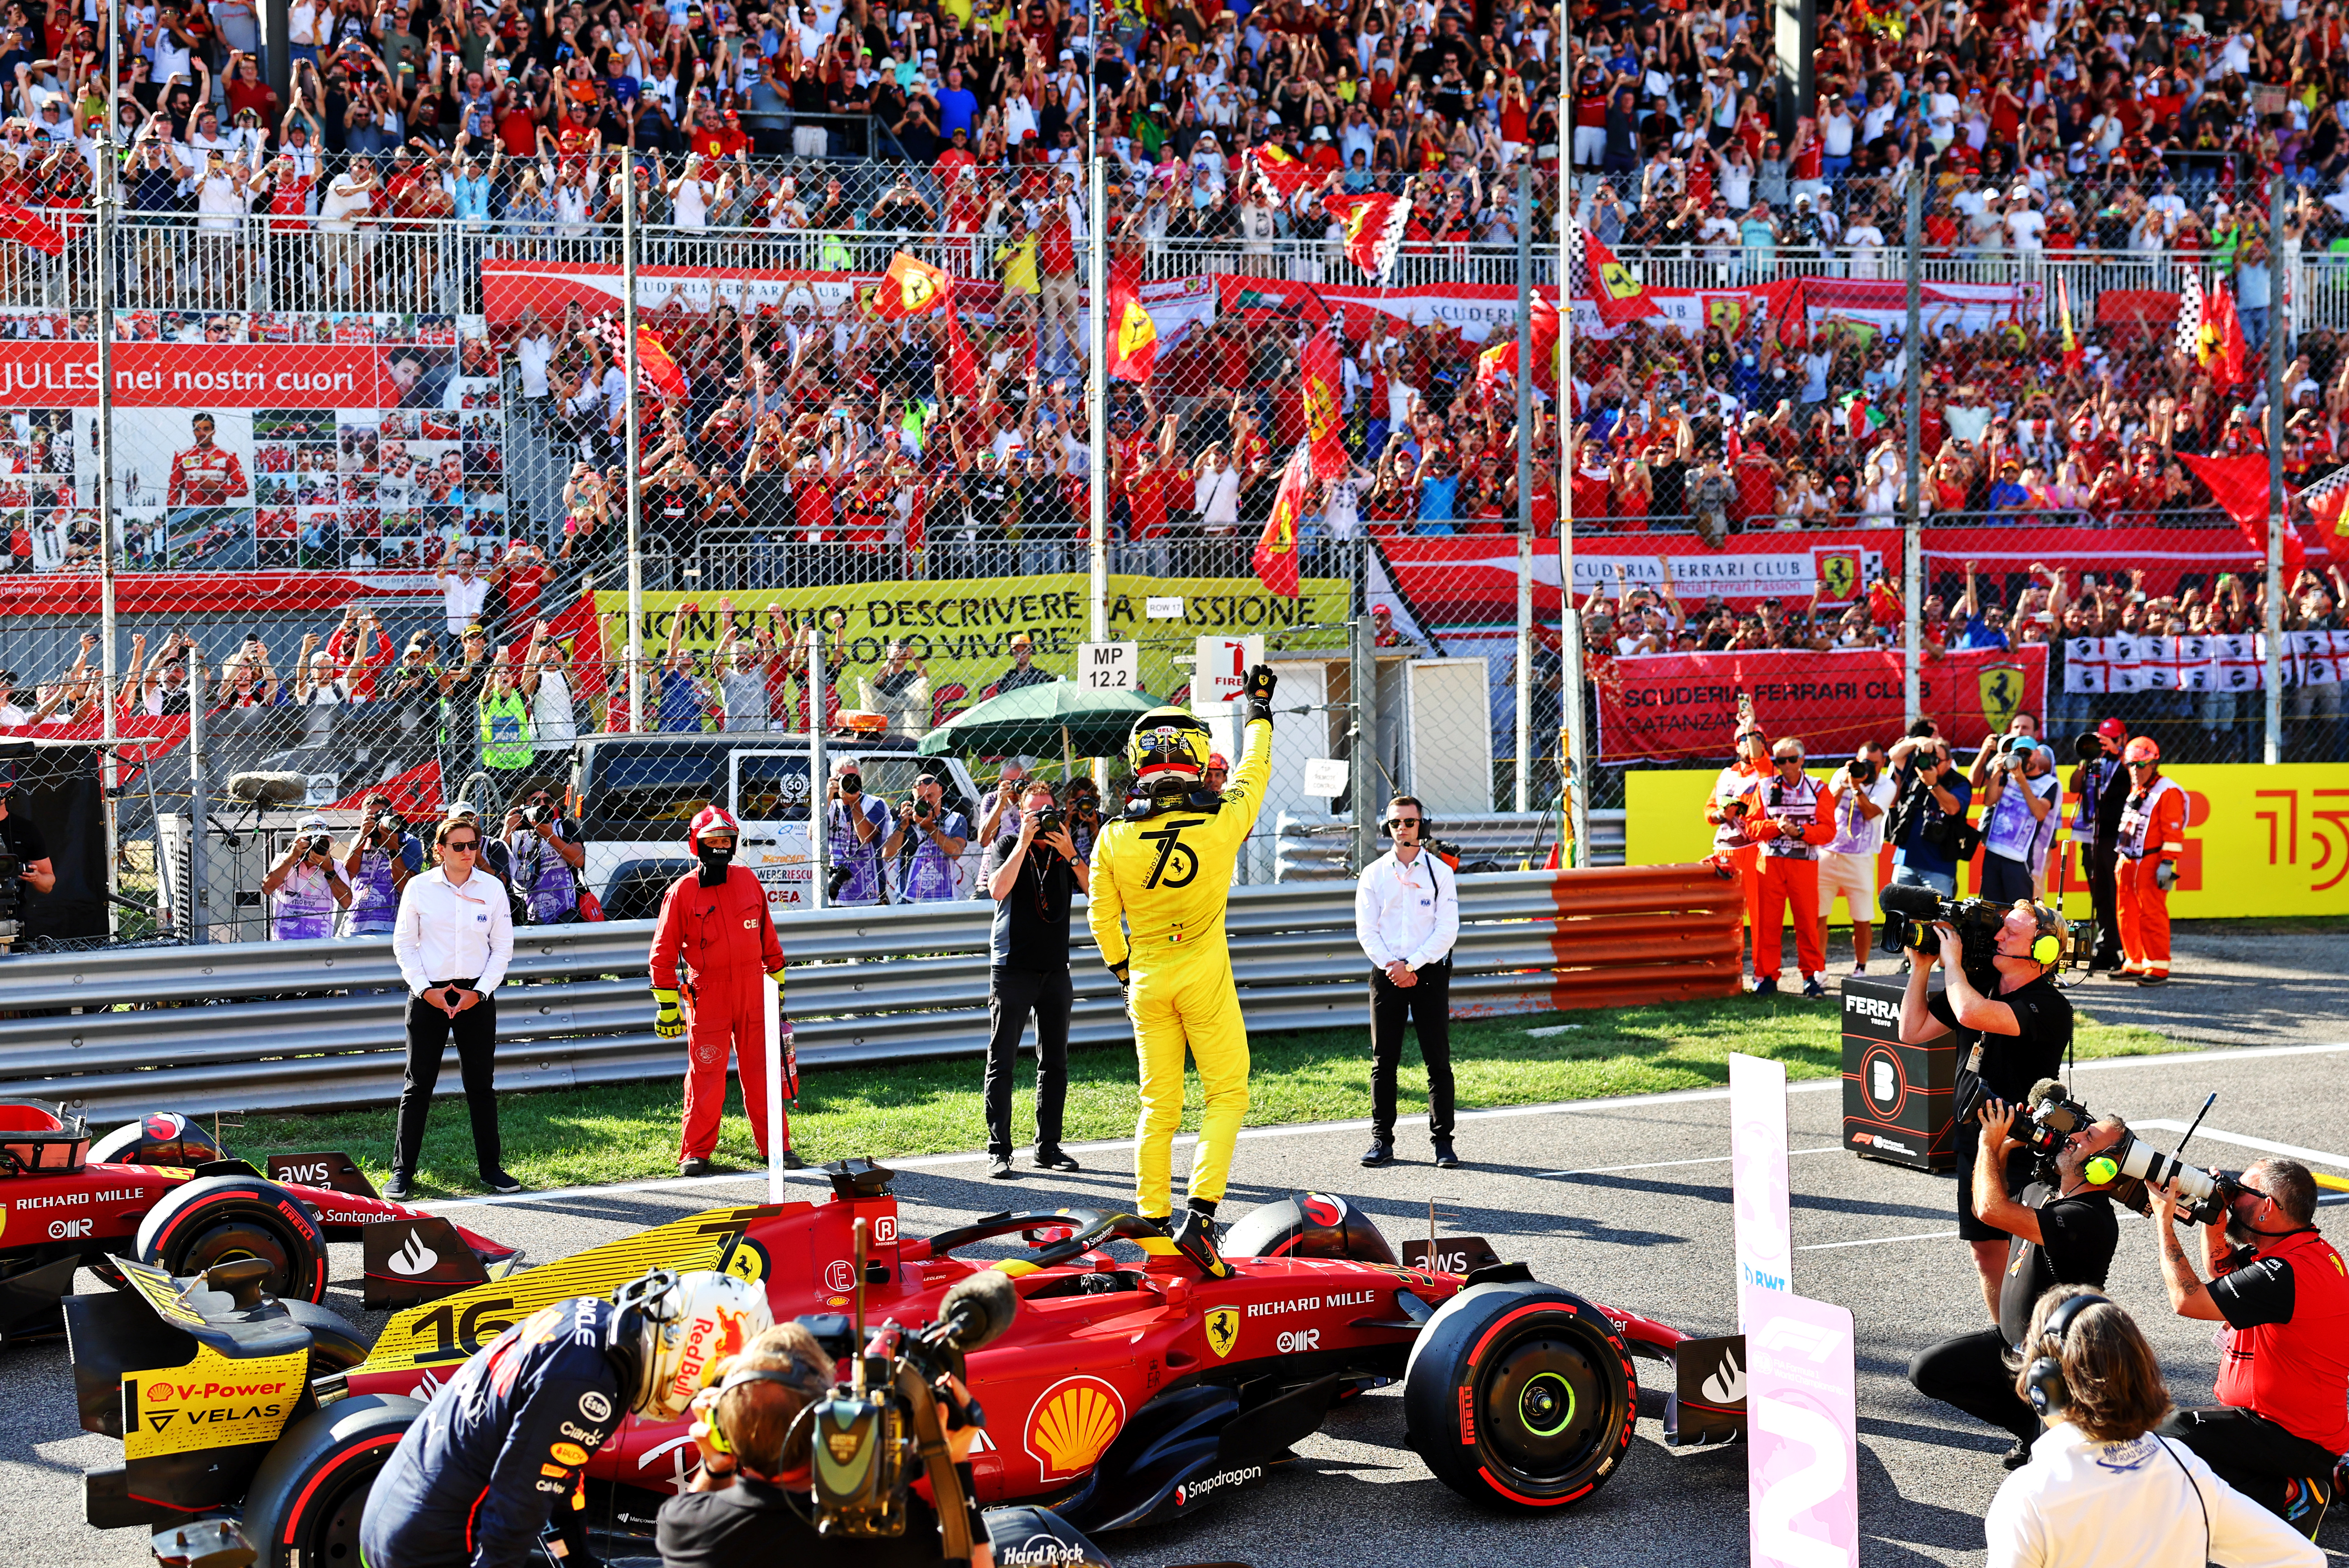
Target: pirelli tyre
{"type": "Point", "coordinates": [221, 1218]}
{"type": "Point", "coordinates": [303, 1509]}
{"type": "Point", "coordinates": [1520, 1397]}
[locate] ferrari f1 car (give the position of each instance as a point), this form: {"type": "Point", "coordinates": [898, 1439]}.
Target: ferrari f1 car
{"type": "Point", "coordinates": [161, 1190]}
{"type": "Point", "coordinates": [1126, 1392]}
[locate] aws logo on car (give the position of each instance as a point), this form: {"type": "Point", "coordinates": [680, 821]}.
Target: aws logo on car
{"type": "Point", "coordinates": [1069, 1425]}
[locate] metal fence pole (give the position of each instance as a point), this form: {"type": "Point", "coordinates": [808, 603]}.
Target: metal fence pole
{"type": "Point", "coordinates": [1525, 481]}
{"type": "Point", "coordinates": [190, 908]}
{"type": "Point", "coordinates": [1097, 406]}
{"type": "Point", "coordinates": [2277, 522]}
{"type": "Point", "coordinates": [634, 642]}
{"type": "Point", "coordinates": [109, 534]}
{"type": "Point", "coordinates": [1912, 541]}
{"type": "Point", "coordinates": [819, 771]}
{"type": "Point", "coordinates": [1363, 748]}
{"type": "Point", "coordinates": [1574, 772]}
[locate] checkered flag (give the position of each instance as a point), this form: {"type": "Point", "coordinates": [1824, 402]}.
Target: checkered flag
{"type": "Point", "coordinates": [2328, 502]}
{"type": "Point", "coordinates": [2188, 338]}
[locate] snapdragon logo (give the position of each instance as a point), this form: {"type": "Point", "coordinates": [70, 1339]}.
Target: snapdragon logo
{"type": "Point", "coordinates": [1192, 1492]}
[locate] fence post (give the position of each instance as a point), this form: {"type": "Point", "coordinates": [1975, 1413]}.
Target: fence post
{"type": "Point", "coordinates": [1912, 541]}
{"type": "Point", "coordinates": [1574, 770]}
{"type": "Point", "coordinates": [2277, 519]}
{"type": "Point", "coordinates": [819, 771]}
{"type": "Point", "coordinates": [1363, 745]}
{"type": "Point", "coordinates": [191, 907]}
{"type": "Point", "coordinates": [633, 645]}
{"type": "Point", "coordinates": [108, 192]}
{"type": "Point", "coordinates": [1525, 480]}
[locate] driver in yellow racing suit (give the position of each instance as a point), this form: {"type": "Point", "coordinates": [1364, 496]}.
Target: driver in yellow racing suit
{"type": "Point", "coordinates": [1165, 869]}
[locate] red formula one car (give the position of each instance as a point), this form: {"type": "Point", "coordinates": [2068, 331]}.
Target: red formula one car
{"type": "Point", "coordinates": [1127, 1391]}
{"type": "Point", "coordinates": [161, 1190]}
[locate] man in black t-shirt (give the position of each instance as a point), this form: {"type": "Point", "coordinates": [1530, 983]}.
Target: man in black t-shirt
{"type": "Point", "coordinates": [21, 838]}
{"type": "Point", "coordinates": [1033, 879]}
{"type": "Point", "coordinates": [2063, 1235]}
{"type": "Point", "coordinates": [2007, 1041]}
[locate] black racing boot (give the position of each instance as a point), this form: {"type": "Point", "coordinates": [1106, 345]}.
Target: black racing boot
{"type": "Point", "coordinates": [1193, 1235]}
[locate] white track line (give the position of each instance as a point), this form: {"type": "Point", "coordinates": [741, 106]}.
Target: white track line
{"type": "Point", "coordinates": [1307, 1129]}
{"type": "Point", "coordinates": [1668, 1164]}
{"type": "Point", "coordinates": [2290, 1152]}
{"type": "Point", "coordinates": [1877, 1240]}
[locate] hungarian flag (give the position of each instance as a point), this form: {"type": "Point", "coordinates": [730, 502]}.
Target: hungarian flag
{"type": "Point", "coordinates": [1275, 558]}
{"type": "Point", "coordinates": [2240, 486]}
{"type": "Point", "coordinates": [2073, 355]}
{"type": "Point", "coordinates": [1325, 403]}
{"type": "Point", "coordinates": [2222, 330]}
{"type": "Point", "coordinates": [1594, 274]}
{"type": "Point", "coordinates": [1374, 228]}
{"type": "Point", "coordinates": [28, 228]}
{"type": "Point", "coordinates": [910, 288]}
{"type": "Point", "coordinates": [655, 368]}
{"type": "Point", "coordinates": [1133, 334]}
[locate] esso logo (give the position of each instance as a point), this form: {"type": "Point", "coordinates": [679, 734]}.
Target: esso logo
{"type": "Point", "coordinates": [1298, 1339]}
{"type": "Point", "coordinates": [884, 1229]}
{"type": "Point", "coordinates": [68, 1230]}
{"type": "Point", "coordinates": [840, 1276]}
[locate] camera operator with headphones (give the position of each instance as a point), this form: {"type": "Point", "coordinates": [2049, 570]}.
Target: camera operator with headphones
{"type": "Point", "coordinates": [2063, 1234]}
{"type": "Point", "coordinates": [2284, 1382]}
{"type": "Point", "coordinates": [749, 1500]}
{"type": "Point", "coordinates": [504, 1449]}
{"type": "Point", "coordinates": [2102, 1487]}
{"type": "Point", "coordinates": [1406, 917]}
{"type": "Point", "coordinates": [2007, 1041]}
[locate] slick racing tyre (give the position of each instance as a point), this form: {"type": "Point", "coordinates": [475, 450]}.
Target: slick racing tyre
{"type": "Point", "coordinates": [1520, 1397]}
{"type": "Point", "coordinates": [334, 1345]}
{"type": "Point", "coordinates": [223, 1219]}
{"type": "Point", "coordinates": [303, 1509]}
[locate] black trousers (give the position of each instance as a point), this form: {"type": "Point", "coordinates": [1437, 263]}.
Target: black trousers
{"type": "Point", "coordinates": [430, 1030]}
{"type": "Point", "coordinates": [1970, 1372]}
{"type": "Point", "coordinates": [2104, 897]}
{"type": "Point", "coordinates": [2251, 1453]}
{"type": "Point", "coordinates": [1428, 1005]}
{"type": "Point", "coordinates": [1012, 994]}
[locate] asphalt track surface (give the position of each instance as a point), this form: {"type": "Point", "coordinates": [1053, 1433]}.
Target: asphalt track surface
{"type": "Point", "coordinates": [1626, 1200]}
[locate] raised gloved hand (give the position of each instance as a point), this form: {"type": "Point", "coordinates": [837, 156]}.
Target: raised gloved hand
{"type": "Point", "coordinates": [1260, 682]}
{"type": "Point", "coordinates": [669, 1022]}
{"type": "Point", "coordinates": [2165, 876]}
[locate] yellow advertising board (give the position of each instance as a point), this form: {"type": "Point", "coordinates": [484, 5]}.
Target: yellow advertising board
{"type": "Point", "coordinates": [2259, 840]}
{"type": "Point", "coordinates": [962, 630]}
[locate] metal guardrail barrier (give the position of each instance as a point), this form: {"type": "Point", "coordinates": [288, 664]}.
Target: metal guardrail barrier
{"type": "Point", "coordinates": [1311, 847]}
{"type": "Point", "coordinates": [313, 1025]}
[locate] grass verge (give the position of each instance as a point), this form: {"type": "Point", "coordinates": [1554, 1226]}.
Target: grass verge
{"type": "Point", "coordinates": [624, 1132]}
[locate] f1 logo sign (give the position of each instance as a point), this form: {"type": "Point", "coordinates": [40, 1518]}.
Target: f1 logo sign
{"type": "Point", "coordinates": [1802, 1471]}
{"type": "Point", "coordinates": [1788, 1337]}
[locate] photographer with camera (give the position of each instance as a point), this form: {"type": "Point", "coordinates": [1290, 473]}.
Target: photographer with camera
{"type": "Point", "coordinates": [2282, 1419]}
{"type": "Point", "coordinates": [934, 835]}
{"type": "Point", "coordinates": [1928, 824]}
{"type": "Point", "coordinates": [1084, 797]}
{"type": "Point", "coordinates": [751, 1500]}
{"type": "Point", "coordinates": [2023, 725]}
{"type": "Point", "coordinates": [21, 840]}
{"type": "Point", "coordinates": [2099, 784]}
{"type": "Point", "coordinates": [2151, 836]}
{"type": "Point", "coordinates": [857, 826]}
{"type": "Point", "coordinates": [2021, 811]}
{"type": "Point", "coordinates": [306, 888]}
{"type": "Point", "coordinates": [487, 1469]}
{"type": "Point", "coordinates": [383, 855]}
{"type": "Point", "coordinates": [1858, 794]}
{"type": "Point", "coordinates": [544, 848]}
{"type": "Point", "coordinates": [2101, 1486]}
{"type": "Point", "coordinates": [2061, 1232]}
{"type": "Point", "coordinates": [1033, 875]}
{"type": "Point", "coordinates": [2013, 1027]}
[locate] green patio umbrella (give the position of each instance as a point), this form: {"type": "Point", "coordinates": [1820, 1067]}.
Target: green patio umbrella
{"type": "Point", "coordinates": [1084, 723]}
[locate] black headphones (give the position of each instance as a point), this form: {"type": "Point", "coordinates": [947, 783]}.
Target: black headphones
{"type": "Point", "coordinates": [718, 1439]}
{"type": "Point", "coordinates": [2043, 1380]}
{"type": "Point", "coordinates": [1426, 825]}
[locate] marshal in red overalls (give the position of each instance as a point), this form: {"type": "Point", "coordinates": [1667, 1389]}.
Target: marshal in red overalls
{"type": "Point", "coordinates": [713, 949]}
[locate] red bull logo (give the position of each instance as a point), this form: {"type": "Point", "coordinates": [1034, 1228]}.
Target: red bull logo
{"type": "Point", "coordinates": [709, 1342]}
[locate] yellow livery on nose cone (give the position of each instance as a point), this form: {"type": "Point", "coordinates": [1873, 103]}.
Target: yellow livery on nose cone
{"type": "Point", "coordinates": [1160, 877]}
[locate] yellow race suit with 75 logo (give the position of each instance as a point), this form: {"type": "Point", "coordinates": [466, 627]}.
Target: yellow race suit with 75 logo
{"type": "Point", "coordinates": [1167, 877]}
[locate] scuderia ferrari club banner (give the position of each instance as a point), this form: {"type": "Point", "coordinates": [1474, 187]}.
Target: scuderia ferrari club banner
{"type": "Point", "coordinates": [1672, 707]}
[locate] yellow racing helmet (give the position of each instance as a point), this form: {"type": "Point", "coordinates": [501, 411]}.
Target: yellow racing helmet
{"type": "Point", "coordinates": [1167, 745]}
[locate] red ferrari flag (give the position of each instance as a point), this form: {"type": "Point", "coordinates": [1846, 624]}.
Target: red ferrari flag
{"type": "Point", "coordinates": [1374, 228]}
{"type": "Point", "coordinates": [655, 368]}
{"type": "Point", "coordinates": [1595, 274]}
{"type": "Point", "coordinates": [1133, 334]}
{"type": "Point", "coordinates": [962, 365]}
{"type": "Point", "coordinates": [1325, 406]}
{"type": "Point", "coordinates": [1275, 558]}
{"type": "Point", "coordinates": [2226, 331]}
{"type": "Point", "coordinates": [2073, 355]}
{"type": "Point", "coordinates": [910, 288]}
{"type": "Point", "coordinates": [2240, 486]}
{"type": "Point", "coordinates": [28, 228]}
{"type": "Point", "coordinates": [1269, 176]}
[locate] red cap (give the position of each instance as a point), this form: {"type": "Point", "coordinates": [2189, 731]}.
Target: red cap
{"type": "Point", "coordinates": [2144, 749]}
{"type": "Point", "coordinates": [2113, 729]}
{"type": "Point", "coordinates": [1217, 760]}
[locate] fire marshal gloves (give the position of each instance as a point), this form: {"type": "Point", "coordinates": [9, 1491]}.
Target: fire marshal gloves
{"type": "Point", "coordinates": [669, 1022]}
